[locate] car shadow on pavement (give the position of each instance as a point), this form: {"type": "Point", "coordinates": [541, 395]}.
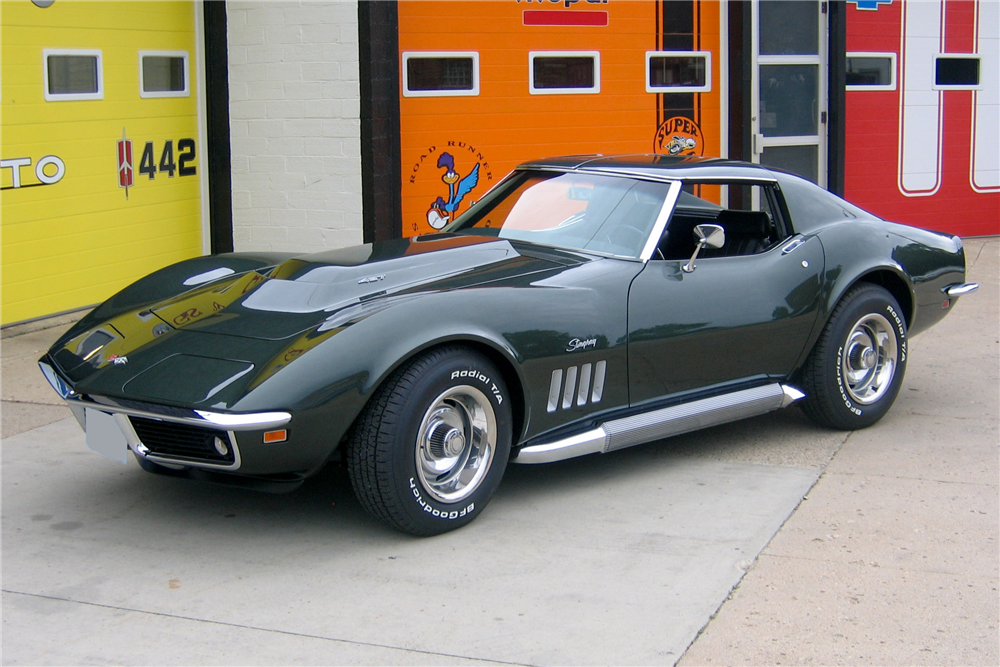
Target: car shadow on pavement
{"type": "Point", "coordinates": [324, 507]}
{"type": "Point", "coordinates": [785, 438]}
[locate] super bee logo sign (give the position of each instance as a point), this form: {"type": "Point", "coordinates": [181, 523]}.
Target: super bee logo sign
{"type": "Point", "coordinates": [679, 136]}
{"type": "Point", "coordinates": [463, 170]}
{"type": "Point", "coordinates": [149, 166]}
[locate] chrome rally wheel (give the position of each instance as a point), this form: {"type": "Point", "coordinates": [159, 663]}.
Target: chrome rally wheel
{"type": "Point", "coordinates": [869, 358]}
{"type": "Point", "coordinates": [455, 443]}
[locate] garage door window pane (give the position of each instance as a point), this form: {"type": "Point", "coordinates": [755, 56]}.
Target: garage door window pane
{"type": "Point", "coordinates": [440, 74]}
{"type": "Point", "coordinates": [961, 73]}
{"type": "Point", "coordinates": [164, 74]}
{"type": "Point", "coordinates": [73, 75]}
{"type": "Point", "coordinates": [565, 73]}
{"type": "Point", "coordinates": [678, 72]}
{"type": "Point", "coordinates": [871, 72]}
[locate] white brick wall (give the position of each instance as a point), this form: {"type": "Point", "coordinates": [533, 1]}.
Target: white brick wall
{"type": "Point", "coordinates": [294, 118]}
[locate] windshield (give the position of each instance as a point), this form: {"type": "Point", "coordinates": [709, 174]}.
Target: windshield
{"type": "Point", "coordinates": [607, 214]}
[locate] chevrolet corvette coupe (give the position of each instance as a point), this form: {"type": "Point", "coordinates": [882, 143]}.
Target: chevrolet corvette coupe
{"type": "Point", "coordinates": [583, 305]}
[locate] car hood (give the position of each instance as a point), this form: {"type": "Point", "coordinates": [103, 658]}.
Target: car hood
{"type": "Point", "coordinates": [327, 289]}
{"type": "Point", "coordinates": [250, 318]}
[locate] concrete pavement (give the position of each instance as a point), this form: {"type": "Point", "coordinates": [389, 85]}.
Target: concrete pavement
{"type": "Point", "coordinates": [618, 559]}
{"type": "Point", "coordinates": [28, 403]}
{"type": "Point", "coordinates": [893, 558]}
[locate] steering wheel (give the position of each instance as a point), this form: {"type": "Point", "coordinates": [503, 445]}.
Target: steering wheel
{"type": "Point", "coordinates": [626, 237]}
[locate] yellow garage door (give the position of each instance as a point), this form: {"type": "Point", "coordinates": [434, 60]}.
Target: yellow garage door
{"type": "Point", "coordinates": [100, 151]}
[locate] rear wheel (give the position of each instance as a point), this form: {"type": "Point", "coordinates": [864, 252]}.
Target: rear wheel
{"type": "Point", "coordinates": [854, 373]}
{"type": "Point", "coordinates": [429, 449]}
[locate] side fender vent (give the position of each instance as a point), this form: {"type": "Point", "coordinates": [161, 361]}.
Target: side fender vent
{"type": "Point", "coordinates": [583, 384]}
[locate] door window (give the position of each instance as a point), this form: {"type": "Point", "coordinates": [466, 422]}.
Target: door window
{"type": "Point", "coordinates": [802, 160]}
{"type": "Point", "coordinates": [751, 218]}
{"type": "Point", "coordinates": [956, 72]}
{"type": "Point", "coordinates": [789, 98]}
{"type": "Point", "coordinates": [784, 27]}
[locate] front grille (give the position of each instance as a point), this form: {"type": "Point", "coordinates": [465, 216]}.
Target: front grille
{"type": "Point", "coordinates": [183, 442]}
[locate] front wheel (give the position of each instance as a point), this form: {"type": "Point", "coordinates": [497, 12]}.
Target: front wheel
{"type": "Point", "coordinates": [429, 449]}
{"type": "Point", "coordinates": [854, 373]}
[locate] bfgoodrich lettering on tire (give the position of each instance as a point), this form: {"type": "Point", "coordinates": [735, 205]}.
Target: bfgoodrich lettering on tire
{"type": "Point", "coordinates": [856, 369]}
{"type": "Point", "coordinates": [429, 449]}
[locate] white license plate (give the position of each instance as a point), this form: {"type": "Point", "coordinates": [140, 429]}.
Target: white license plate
{"type": "Point", "coordinates": [105, 436]}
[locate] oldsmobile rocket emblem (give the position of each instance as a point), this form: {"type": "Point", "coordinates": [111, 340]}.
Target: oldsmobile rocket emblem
{"type": "Point", "coordinates": [126, 172]}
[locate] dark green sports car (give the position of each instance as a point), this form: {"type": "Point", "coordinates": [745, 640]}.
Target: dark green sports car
{"type": "Point", "coordinates": [585, 304]}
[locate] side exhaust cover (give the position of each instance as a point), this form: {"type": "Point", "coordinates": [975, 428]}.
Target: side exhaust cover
{"type": "Point", "coordinates": [663, 423]}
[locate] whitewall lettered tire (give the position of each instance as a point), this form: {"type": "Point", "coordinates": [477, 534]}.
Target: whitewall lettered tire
{"type": "Point", "coordinates": [430, 448]}
{"type": "Point", "coordinates": [854, 373]}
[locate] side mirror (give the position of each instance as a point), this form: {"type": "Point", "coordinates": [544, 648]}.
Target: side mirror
{"type": "Point", "coordinates": [713, 236]}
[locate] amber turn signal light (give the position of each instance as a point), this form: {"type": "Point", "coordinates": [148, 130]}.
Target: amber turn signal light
{"type": "Point", "coordinates": [275, 436]}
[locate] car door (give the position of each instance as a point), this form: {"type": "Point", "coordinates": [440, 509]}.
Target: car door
{"type": "Point", "coordinates": [731, 319]}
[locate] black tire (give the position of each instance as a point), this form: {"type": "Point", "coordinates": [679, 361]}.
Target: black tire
{"type": "Point", "coordinates": [429, 449]}
{"type": "Point", "coordinates": [854, 373]}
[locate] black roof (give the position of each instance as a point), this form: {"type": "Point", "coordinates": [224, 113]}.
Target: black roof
{"type": "Point", "coordinates": [657, 166]}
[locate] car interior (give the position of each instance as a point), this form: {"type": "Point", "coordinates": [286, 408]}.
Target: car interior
{"type": "Point", "coordinates": [748, 231]}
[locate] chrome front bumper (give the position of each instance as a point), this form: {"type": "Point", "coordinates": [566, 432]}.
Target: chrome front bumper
{"type": "Point", "coordinates": [230, 423]}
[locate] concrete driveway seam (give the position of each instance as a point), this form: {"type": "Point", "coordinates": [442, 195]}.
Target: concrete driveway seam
{"type": "Point", "coordinates": [920, 479]}
{"type": "Point", "coordinates": [763, 551]}
{"type": "Point", "coordinates": [241, 626]}
{"type": "Point", "coordinates": [864, 563]}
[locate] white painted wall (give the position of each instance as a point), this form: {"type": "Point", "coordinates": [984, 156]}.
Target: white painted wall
{"type": "Point", "coordinates": [294, 120]}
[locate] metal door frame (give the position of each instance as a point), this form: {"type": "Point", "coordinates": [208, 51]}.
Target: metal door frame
{"type": "Point", "coordinates": [758, 141]}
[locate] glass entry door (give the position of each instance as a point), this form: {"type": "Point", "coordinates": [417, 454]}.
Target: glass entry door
{"type": "Point", "coordinates": [789, 90]}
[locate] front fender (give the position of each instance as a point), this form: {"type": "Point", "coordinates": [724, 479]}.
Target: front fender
{"type": "Point", "coordinates": [528, 328]}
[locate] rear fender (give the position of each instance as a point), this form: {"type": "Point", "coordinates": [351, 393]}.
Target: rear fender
{"type": "Point", "coordinates": [914, 265]}
{"type": "Point", "coordinates": [873, 261]}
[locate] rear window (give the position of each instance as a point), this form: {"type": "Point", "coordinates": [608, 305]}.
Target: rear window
{"type": "Point", "coordinates": [809, 204]}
